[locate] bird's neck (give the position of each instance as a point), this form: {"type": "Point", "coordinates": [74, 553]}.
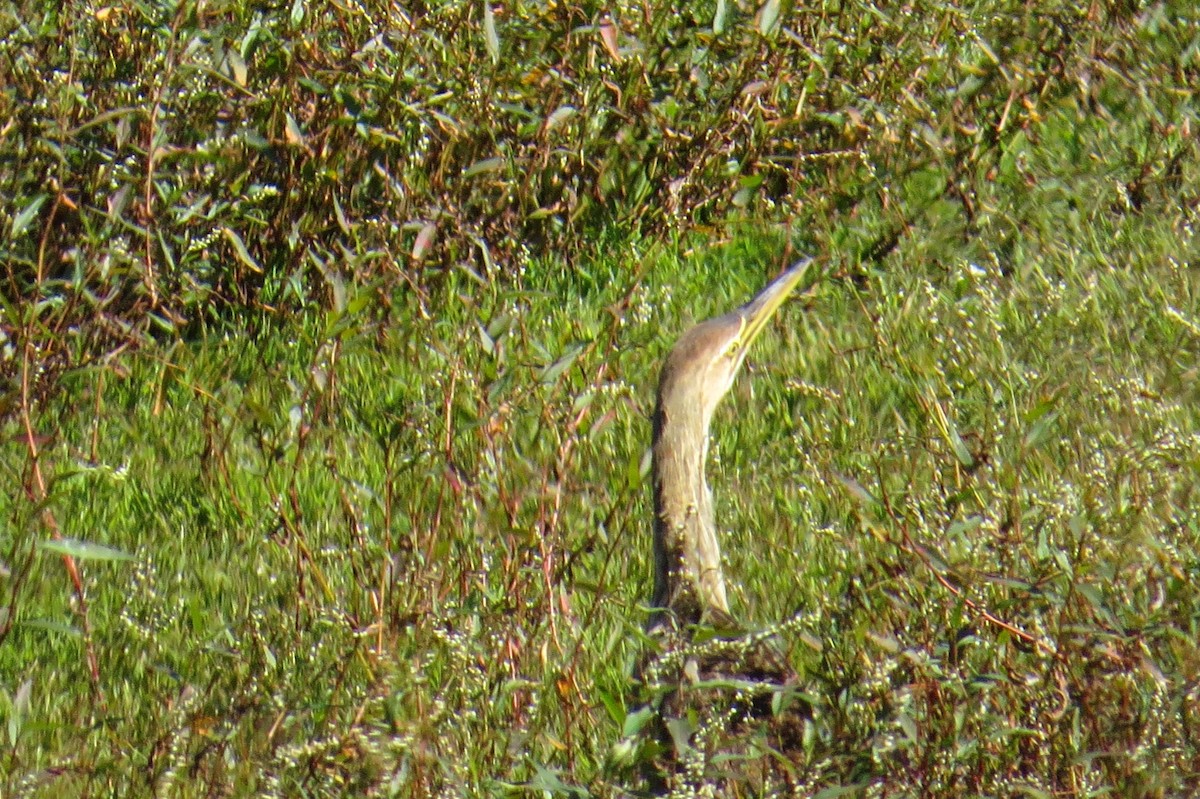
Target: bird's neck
{"type": "Point", "coordinates": [688, 578]}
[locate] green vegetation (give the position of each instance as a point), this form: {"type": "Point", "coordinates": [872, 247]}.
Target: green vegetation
{"type": "Point", "coordinates": [327, 348]}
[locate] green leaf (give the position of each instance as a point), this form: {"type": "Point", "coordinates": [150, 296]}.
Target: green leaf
{"type": "Point", "coordinates": [340, 216]}
{"type": "Point", "coordinates": [718, 25]}
{"type": "Point", "coordinates": [964, 526]}
{"type": "Point", "coordinates": [239, 248]}
{"type": "Point", "coordinates": [583, 401]}
{"type": "Point", "coordinates": [858, 492]}
{"type": "Point", "coordinates": [550, 784]}
{"type": "Point", "coordinates": [292, 131]}
{"type": "Point", "coordinates": [560, 115]}
{"type": "Point", "coordinates": [21, 221]}
{"type": "Point", "coordinates": [487, 340]}
{"type": "Point", "coordinates": [636, 721]}
{"type": "Point", "coordinates": [837, 791]}
{"type": "Point", "coordinates": [423, 241]}
{"type": "Point", "coordinates": [486, 165]}
{"type": "Point", "coordinates": [490, 37]}
{"type": "Point", "coordinates": [237, 67]}
{"type": "Point", "coordinates": [768, 18]}
{"type": "Point", "coordinates": [84, 550]}
{"type": "Point", "coordinates": [551, 373]}
{"type": "Point", "coordinates": [613, 706]}
{"type": "Point", "coordinates": [961, 451]}
{"type": "Point", "coordinates": [53, 626]}
{"type": "Point", "coordinates": [20, 709]}
{"type": "Point", "coordinates": [500, 325]}
{"type": "Point", "coordinates": [1040, 430]}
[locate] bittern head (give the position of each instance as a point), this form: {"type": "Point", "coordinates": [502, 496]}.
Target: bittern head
{"type": "Point", "coordinates": [701, 367]}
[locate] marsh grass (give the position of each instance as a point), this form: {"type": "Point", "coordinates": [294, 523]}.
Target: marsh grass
{"type": "Point", "coordinates": [354, 567]}
{"type": "Point", "coordinates": [355, 516]}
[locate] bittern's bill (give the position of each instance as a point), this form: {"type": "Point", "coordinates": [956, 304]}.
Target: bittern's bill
{"type": "Point", "coordinates": [688, 581]}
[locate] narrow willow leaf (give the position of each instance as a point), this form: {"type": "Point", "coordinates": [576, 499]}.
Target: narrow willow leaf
{"type": "Point", "coordinates": [19, 710]}
{"type": "Point", "coordinates": [964, 526]}
{"type": "Point", "coordinates": [292, 132]}
{"type": "Point", "coordinates": [768, 17]}
{"type": "Point", "coordinates": [21, 700]}
{"type": "Point", "coordinates": [718, 25]}
{"type": "Point", "coordinates": [949, 430]}
{"type": "Point", "coordinates": [500, 325]}
{"type": "Point", "coordinates": [340, 215]}
{"type": "Point", "coordinates": [237, 67]}
{"type": "Point", "coordinates": [1040, 431]}
{"type": "Point", "coordinates": [491, 38]}
{"type": "Point", "coordinates": [486, 339]}
{"type": "Point", "coordinates": [608, 37]}
{"type": "Point", "coordinates": [424, 241]}
{"type": "Point", "coordinates": [613, 706]}
{"type": "Point", "coordinates": [239, 248]}
{"type": "Point", "coordinates": [486, 165]}
{"type": "Point", "coordinates": [636, 721]}
{"type": "Point", "coordinates": [83, 550]}
{"type": "Point", "coordinates": [552, 372]}
{"type": "Point", "coordinates": [961, 451]}
{"type": "Point", "coordinates": [53, 626]}
{"type": "Point", "coordinates": [858, 492]}
{"type": "Point", "coordinates": [559, 116]}
{"type": "Point", "coordinates": [21, 221]}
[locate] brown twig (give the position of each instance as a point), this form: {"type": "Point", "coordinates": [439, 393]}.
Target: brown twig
{"type": "Point", "coordinates": [37, 493]}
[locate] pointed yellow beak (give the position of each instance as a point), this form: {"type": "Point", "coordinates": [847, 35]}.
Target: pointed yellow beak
{"type": "Point", "coordinates": [755, 314]}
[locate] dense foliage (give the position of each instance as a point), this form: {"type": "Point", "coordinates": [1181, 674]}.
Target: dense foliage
{"type": "Point", "coordinates": [328, 334]}
{"type": "Point", "coordinates": [164, 155]}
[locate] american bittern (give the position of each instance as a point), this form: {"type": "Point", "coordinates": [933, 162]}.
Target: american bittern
{"type": "Point", "coordinates": [688, 581]}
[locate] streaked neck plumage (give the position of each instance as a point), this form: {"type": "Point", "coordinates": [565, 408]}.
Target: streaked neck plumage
{"type": "Point", "coordinates": [688, 576]}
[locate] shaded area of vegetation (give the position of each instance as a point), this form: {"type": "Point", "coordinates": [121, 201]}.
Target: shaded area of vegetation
{"type": "Point", "coordinates": [328, 338]}
{"type": "Point", "coordinates": [163, 156]}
